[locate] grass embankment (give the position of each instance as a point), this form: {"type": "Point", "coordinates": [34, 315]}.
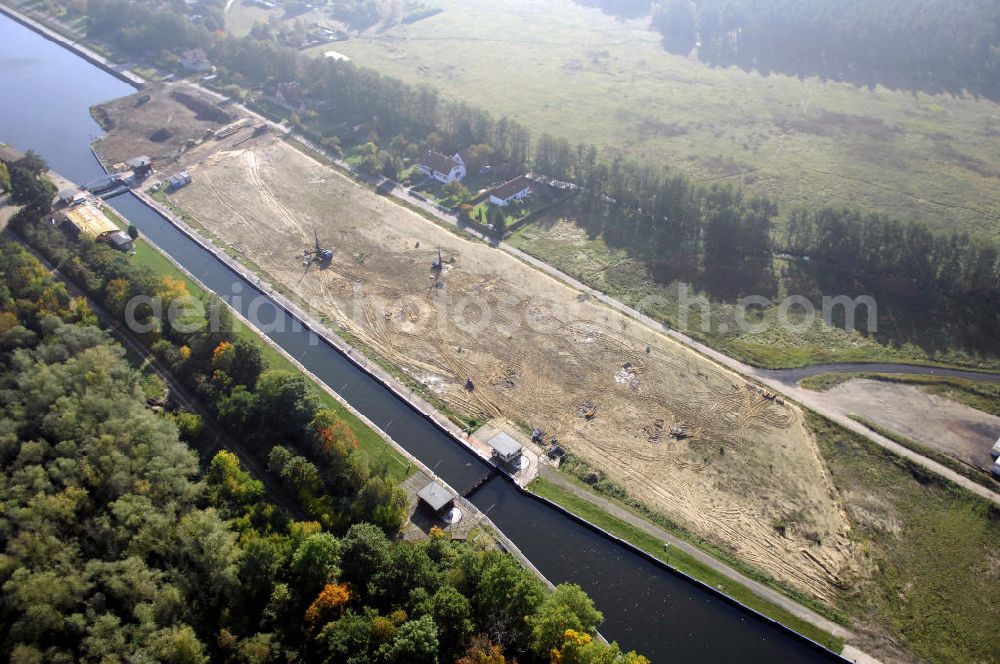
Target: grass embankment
{"type": "Point", "coordinates": [378, 452]}
{"type": "Point", "coordinates": [370, 353]}
{"type": "Point", "coordinates": [681, 560]}
{"type": "Point", "coordinates": [935, 566]}
{"type": "Point", "coordinates": [981, 395]}
{"type": "Point", "coordinates": [577, 470]}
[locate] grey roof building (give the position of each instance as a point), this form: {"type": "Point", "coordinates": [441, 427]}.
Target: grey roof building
{"type": "Point", "coordinates": [120, 241]}
{"type": "Point", "coordinates": [435, 497]}
{"type": "Point", "coordinates": [504, 447]}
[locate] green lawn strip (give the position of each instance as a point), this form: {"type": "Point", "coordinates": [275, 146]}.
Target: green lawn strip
{"type": "Point", "coordinates": [932, 547]}
{"type": "Point", "coordinates": [379, 452]}
{"type": "Point", "coordinates": [827, 381]}
{"type": "Point", "coordinates": [681, 560]}
{"type": "Point", "coordinates": [980, 477]}
{"type": "Point", "coordinates": [573, 469]}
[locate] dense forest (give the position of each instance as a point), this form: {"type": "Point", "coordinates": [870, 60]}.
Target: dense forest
{"type": "Point", "coordinates": [118, 545]}
{"type": "Point", "coordinates": [714, 237]}
{"type": "Point", "coordinates": [930, 45]}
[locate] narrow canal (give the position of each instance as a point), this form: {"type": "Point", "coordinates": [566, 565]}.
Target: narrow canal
{"type": "Point", "coordinates": [48, 92]}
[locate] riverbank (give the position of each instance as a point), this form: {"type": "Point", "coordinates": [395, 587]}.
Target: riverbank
{"type": "Point", "coordinates": [200, 289]}
{"type": "Point", "coordinates": [471, 509]}
{"type": "Point", "coordinates": [251, 273]}
{"type": "Point", "coordinates": [431, 461]}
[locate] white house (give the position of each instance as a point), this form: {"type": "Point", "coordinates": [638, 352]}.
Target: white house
{"type": "Point", "coordinates": [442, 167]}
{"type": "Point", "coordinates": [195, 59]}
{"type": "Point", "coordinates": [512, 190]}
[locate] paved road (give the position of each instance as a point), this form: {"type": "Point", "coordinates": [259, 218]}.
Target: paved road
{"type": "Point", "coordinates": [555, 477]}
{"type": "Point", "coordinates": [793, 376]}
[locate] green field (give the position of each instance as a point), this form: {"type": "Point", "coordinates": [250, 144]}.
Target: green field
{"type": "Point", "coordinates": [946, 460]}
{"type": "Point", "coordinates": [931, 551]}
{"type": "Point", "coordinates": [573, 71]}
{"type": "Point", "coordinates": [592, 78]}
{"type": "Point", "coordinates": [378, 452]}
{"type": "Point", "coordinates": [681, 560]}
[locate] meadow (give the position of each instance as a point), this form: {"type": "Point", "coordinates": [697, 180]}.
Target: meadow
{"type": "Point", "coordinates": [931, 549]}
{"type": "Point", "coordinates": [575, 72]}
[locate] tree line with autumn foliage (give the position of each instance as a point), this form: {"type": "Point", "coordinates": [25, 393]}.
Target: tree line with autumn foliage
{"type": "Point", "coordinates": [263, 408]}
{"type": "Point", "coordinates": [117, 543]}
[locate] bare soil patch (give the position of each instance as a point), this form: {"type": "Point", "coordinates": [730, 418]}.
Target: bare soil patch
{"type": "Point", "coordinates": [162, 127]}
{"type": "Point", "coordinates": [537, 354]}
{"type": "Point", "coordinates": [940, 423]}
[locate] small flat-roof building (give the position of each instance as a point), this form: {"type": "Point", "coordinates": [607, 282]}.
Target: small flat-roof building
{"type": "Point", "coordinates": [435, 497]}
{"type": "Point", "coordinates": [68, 196]}
{"type": "Point", "coordinates": [175, 182]}
{"type": "Point", "coordinates": [505, 448]}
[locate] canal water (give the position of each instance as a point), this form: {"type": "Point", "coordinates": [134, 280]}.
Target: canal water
{"type": "Point", "coordinates": [47, 92]}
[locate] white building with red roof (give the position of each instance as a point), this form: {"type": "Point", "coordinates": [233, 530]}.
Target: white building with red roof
{"type": "Point", "coordinates": [442, 167]}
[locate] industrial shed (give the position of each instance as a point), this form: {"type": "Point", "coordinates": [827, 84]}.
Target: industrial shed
{"type": "Point", "coordinates": [89, 221]}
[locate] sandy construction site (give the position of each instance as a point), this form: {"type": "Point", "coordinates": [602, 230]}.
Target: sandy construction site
{"type": "Point", "coordinates": [748, 476]}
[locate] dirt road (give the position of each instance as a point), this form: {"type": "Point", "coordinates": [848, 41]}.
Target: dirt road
{"type": "Point", "coordinates": [793, 376]}
{"type": "Point", "coordinates": [785, 381]}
